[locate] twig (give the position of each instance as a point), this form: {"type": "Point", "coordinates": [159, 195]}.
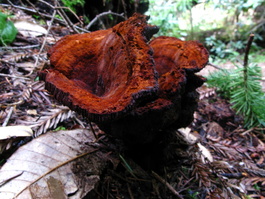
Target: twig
{"type": "Point", "coordinates": [124, 9]}
{"type": "Point", "coordinates": [13, 76]}
{"type": "Point", "coordinates": [167, 184]}
{"type": "Point", "coordinates": [21, 101]}
{"type": "Point", "coordinates": [101, 15]}
{"type": "Point", "coordinates": [245, 65]}
{"type": "Point", "coordinates": [247, 131]}
{"type": "Point", "coordinates": [215, 66]}
{"type": "Point", "coordinates": [65, 17]}
{"type": "Point", "coordinates": [130, 191]}
{"type": "Point", "coordinates": [80, 122]}
{"type": "Point", "coordinates": [45, 97]}
{"type": "Point", "coordinates": [31, 11]}
{"type": "Point", "coordinates": [250, 40]}
{"type": "Point", "coordinates": [33, 6]}
{"type": "Point", "coordinates": [93, 131]}
{"type": "Point", "coordinates": [45, 39]}
{"type": "Point", "coordinates": [20, 47]}
{"type": "Point", "coordinates": [53, 169]}
{"type": "Point", "coordinates": [60, 11]}
{"type": "Point", "coordinates": [59, 7]}
{"type": "Point", "coordinates": [11, 178]}
{"type": "Point", "coordinates": [8, 116]}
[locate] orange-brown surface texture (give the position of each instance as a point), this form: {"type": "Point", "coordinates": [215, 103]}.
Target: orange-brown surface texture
{"type": "Point", "coordinates": [131, 88]}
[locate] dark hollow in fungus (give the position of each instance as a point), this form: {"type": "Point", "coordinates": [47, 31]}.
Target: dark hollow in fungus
{"type": "Point", "coordinates": [132, 89]}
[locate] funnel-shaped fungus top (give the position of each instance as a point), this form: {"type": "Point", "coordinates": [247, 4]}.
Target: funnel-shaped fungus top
{"type": "Point", "coordinates": [104, 74]}
{"type": "Point", "coordinates": [129, 87]}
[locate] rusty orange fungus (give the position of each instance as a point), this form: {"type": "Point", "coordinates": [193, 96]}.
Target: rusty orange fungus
{"type": "Point", "coordinates": [131, 87]}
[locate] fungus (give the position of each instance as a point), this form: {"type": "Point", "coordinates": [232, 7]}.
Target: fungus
{"type": "Point", "coordinates": [131, 88]}
{"type": "Point", "coordinates": [104, 74]}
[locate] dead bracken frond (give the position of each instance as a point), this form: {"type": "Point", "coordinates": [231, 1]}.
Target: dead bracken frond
{"type": "Point", "coordinates": [50, 119]}
{"type": "Point", "coordinates": [201, 174]}
{"type": "Point", "coordinates": [36, 92]}
{"type": "Point", "coordinates": [16, 57]}
{"type": "Point", "coordinates": [17, 77]}
{"type": "Point", "coordinates": [206, 92]}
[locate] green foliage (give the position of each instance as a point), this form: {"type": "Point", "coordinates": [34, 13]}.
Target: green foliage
{"type": "Point", "coordinates": [240, 5]}
{"type": "Point", "coordinates": [166, 14]}
{"type": "Point", "coordinates": [257, 187]}
{"type": "Point", "coordinates": [192, 194]}
{"type": "Point", "coordinates": [220, 79]}
{"type": "Point", "coordinates": [242, 86]}
{"type": "Point", "coordinates": [72, 4]}
{"type": "Point", "coordinates": [59, 128]}
{"type": "Point", "coordinates": [8, 31]}
{"type": "Point", "coordinates": [258, 57]}
{"type": "Point", "coordinates": [224, 33]}
{"type": "Point", "coordinates": [163, 15]}
{"type": "Point", "coordinates": [219, 49]}
{"type": "Point", "coordinates": [185, 5]}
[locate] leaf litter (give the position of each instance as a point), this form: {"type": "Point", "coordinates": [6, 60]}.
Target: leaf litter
{"type": "Point", "coordinates": [49, 161]}
{"type": "Point", "coordinates": [234, 168]}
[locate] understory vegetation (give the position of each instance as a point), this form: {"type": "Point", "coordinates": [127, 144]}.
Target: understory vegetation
{"type": "Point", "coordinates": [225, 34]}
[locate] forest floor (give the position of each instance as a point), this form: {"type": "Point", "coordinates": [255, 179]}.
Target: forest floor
{"type": "Point", "coordinates": [217, 157]}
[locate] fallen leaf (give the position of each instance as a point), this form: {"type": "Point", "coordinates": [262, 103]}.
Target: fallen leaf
{"type": "Point", "coordinates": [15, 131]}
{"type": "Point", "coordinates": [214, 131]}
{"type": "Point", "coordinates": [10, 134]}
{"type": "Point", "coordinates": [32, 112]}
{"type": "Point", "coordinates": [188, 135]}
{"type": "Point", "coordinates": [55, 165]}
{"type": "Point", "coordinates": [205, 153]}
{"type": "Point", "coordinates": [28, 29]}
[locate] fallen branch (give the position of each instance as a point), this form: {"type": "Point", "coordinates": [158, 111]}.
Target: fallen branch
{"type": "Point", "coordinates": [46, 16]}
{"type": "Point", "coordinates": [215, 66]}
{"type": "Point", "coordinates": [167, 185]}
{"type": "Point", "coordinates": [101, 15]}
{"type": "Point", "coordinates": [250, 40]}
{"type": "Point", "coordinates": [20, 47]}
{"type": "Point", "coordinates": [45, 39]}
{"type": "Point", "coordinates": [8, 116]}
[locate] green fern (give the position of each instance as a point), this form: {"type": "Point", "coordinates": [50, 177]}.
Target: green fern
{"type": "Point", "coordinates": [242, 86]}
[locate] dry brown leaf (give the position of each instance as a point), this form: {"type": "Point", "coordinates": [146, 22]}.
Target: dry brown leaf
{"type": "Point", "coordinates": [206, 92]}
{"type": "Point", "coordinates": [28, 29]}
{"type": "Point", "coordinates": [204, 153]}
{"type": "Point", "coordinates": [15, 131]}
{"type": "Point", "coordinates": [9, 134]}
{"type": "Point", "coordinates": [55, 164]}
{"type": "Point", "coordinates": [214, 131]}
